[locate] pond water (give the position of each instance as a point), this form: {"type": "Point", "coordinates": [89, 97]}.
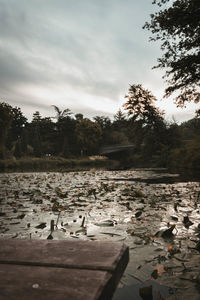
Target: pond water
{"type": "Point", "coordinates": [157, 214]}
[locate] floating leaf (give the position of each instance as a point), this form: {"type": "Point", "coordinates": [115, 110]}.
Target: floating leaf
{"type": "Point", "coordinates": [176, 206]}
{"type": "Point", "coordinates": [166, 233]}
{"type": "Point", "coordinates": [21, 216]}
{"type": "Point", "coordinates": [138, 213]}
{"type": "Point", "coordinates": [41, 225]}
{"type": "Point", "coordinates": [187, 222]}
{"type": "Point", "coordinates": [105, 223]}
{"type": "Point", "coordinates": [174, 218]}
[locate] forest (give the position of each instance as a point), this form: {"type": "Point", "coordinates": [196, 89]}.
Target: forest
{"type": "Point", "coordinates": [156, 142]}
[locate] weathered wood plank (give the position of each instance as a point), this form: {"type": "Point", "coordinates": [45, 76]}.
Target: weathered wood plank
{"type": "Point", "coordinates": [42, 269]}
{"type": "Point", "coordinates": [19, 282]}
{"type": "Point", "coordinates": [90, 255]}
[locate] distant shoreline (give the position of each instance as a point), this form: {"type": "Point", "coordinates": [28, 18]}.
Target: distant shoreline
{"type": "Point", "coordinates": [55, 164]}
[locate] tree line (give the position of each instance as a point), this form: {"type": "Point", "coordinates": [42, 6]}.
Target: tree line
{"type": "Point", "coordinates": [139, 122]}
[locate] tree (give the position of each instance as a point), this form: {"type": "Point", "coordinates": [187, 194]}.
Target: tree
{"type": "Point", "coordinates": [104, 122]}
{"type": "Point", "coordinates": [79, 117]}
{"type": "Point", "coordinates": [140, 106]}
{"type": "Point", "coordinates": [19, 121]}
{"type": "Point", "coordinates": [177, 26]}
{"type": "Point", "coordinates": [106, 126]}
{"type": "Point", "coordinates": [47, 135]}
{"type": "Point", "coordinates": [120, 121]}
{"type": "Point", "coordinates": [35, 134]}
{"type": "Point", "coordinates": [146, 120]}
{"type": "Point", "coordinates": [66, 135]}
{"type": "Point", "coordinates": [37, 151]}
{"type": "Point", "coordinates": [36, 117]}
{"type": "Point", "coordinates": [119, 116]}
{"type": "Point", "coordinates": [89, 136]}
{"type": "Point", "coordinates": [5, 123]}
{"type": "Point", "coordinates": [18, 149]}
{"type": "Point", "coordinates": [42, 135]}
{"type": "Point", "coordinates": [197, 113]}
{"type": "Point", "coordinates": [12, 123]}
{"type": "Point", "coordinates": [60, 114]}
{"type": "Point", "coordinates": [65, 127]}
{"type": "Point", "coordinates": [24, 141]}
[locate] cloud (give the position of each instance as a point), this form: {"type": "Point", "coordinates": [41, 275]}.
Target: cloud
{"type": "Point", "coordinates": [79, 54]}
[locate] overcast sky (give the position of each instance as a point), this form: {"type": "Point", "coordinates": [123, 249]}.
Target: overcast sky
{"type": "Point", "coordinates": [78, 54]}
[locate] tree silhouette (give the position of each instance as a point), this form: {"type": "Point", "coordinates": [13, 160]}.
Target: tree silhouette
{"type": "Point", "coordinates": [177, 26]}
{"type": "Point", "coordinates": [5, 123]}
{"type": "Point", "coordinates": [89, 136]}
{"type": "Point", "coordinates": [61, 113]}
{"type": "Point", "coordinates": [147, 120]}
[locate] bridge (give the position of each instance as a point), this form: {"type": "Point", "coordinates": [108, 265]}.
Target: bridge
{"type": "Point", "coordinates": [105, 150]}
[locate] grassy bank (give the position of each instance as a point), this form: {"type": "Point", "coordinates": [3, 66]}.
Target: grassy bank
{"type": "Point", "coordinates": [56, 164]}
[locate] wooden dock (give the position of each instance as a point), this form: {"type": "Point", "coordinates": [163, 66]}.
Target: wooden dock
{"type": "Point", "coordinates": [55, 270]}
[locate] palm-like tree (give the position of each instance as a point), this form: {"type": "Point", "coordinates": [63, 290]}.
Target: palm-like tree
{"type": "Point", "coordinates": [60, 114]}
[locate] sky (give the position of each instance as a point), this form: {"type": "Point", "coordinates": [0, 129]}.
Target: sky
{"type": "Point", "coordinates": [79, 54]}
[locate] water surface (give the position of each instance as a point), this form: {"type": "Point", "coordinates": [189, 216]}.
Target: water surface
{"type": "Point", "coordinates": [134, 206]}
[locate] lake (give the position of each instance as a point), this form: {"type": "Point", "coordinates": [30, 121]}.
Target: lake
{"type": "Point", "coordinates": [156, 213]}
